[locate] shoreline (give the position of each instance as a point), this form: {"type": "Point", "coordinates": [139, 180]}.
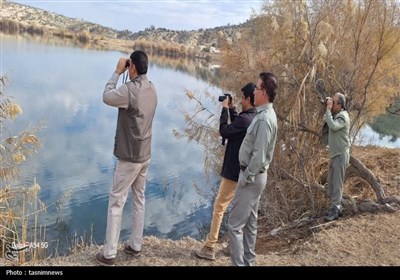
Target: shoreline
{"type": "Point", "coordinates": [344, 242]}
{"type": "Point", "coordinates": [109, 44]}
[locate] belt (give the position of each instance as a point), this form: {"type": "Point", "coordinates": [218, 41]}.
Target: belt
{"type": "Point", "coordinates": [243, 168]}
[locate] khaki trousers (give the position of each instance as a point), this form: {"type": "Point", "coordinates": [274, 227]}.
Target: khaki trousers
{"type": "Point", "coordinates": [225, 195]}
{"type": "Point", "coordinates": [336, 176]}
{"type": "Point", "coordinates": [127, 175]}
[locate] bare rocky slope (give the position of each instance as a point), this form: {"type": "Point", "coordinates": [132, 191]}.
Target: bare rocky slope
{"type": "Point", "coordinates": [33, 16]}
{"type": "Point", "coordinates": [27, 15]}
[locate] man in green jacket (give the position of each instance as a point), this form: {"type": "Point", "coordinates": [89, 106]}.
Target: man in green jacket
{"type": "Point", "coordinates": [255, 156]}
{"type": "Point", "coordinates": [338, 121]}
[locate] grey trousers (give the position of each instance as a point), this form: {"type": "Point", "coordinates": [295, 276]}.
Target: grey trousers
{"type": "Point", "coordinates": [336, 174]}
{"type": "Point", "coordinates": [127, 175]}
{"type": "Point", "coordinates": [242, 223]}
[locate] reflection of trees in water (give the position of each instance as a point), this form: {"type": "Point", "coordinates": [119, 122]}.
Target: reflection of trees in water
{"type": "Point", "coordinates": [198, 217]}
{"type": "Point", "coordinates": [196, 68]}
{"type": "Point", "coordinates": [387, 125]}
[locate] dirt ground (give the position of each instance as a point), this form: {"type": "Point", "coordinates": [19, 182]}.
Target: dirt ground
{"type": "Point", "coordinates": [364, 239]}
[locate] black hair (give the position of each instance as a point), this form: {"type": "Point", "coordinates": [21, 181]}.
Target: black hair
{"type": "Point", "coordinates": [248, 91]}
{"type": "Point", "coordinates": [140, 60]}
{"type": "Point", "coordinates": [270, 84]}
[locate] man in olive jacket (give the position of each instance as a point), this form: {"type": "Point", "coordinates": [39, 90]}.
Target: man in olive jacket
{"type": "Point", "coordinates": [338, 121]}
{"type": "Point", "coordinates": [234, 133]}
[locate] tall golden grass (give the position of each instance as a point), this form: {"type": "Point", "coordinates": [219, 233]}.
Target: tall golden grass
{"type": "Point", "coordinates": [352, 46]}
{"type": "Point", "coordinates": [19, 205]}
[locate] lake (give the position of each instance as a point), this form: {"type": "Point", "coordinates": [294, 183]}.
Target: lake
{"type": "Point", "coordinates": [62, 88]}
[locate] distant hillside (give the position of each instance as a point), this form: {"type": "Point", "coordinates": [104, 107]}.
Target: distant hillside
{"type": "Point", "coordinates": [194, 38]}
{"type": "Point", "coordinates": [205, 40]}
{"type": "Point", "coordinates": [33, 16]}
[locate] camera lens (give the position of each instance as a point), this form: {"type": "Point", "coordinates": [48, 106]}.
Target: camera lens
{"type": "Point", "coordinates": [225, 96]}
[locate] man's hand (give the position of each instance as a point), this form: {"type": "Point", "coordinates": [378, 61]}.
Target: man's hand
{"type": "Point", "coordinates": [228, 103]}
{"type": "Point", "coordinates": [121, 65]}
{"type": "Point", "coordinates": [231, 103]}
{"type": "Point", "coordinates": [225, 103]}
{"type": "Point", "coordinates": [329, 103]}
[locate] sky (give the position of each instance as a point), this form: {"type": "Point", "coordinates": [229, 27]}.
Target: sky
{"type": "Point", "coordinates": [137, 15]}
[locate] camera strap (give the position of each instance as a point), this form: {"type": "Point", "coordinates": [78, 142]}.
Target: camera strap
{"type": "Point", "coordinates": [125, 77]}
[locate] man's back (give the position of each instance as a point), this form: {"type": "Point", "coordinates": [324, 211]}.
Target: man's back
{"type": "Point", "coordinates": [134, 126]}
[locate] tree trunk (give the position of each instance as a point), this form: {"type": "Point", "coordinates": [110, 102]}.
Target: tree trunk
{"type": "Point", "coordinates": [357, 168]}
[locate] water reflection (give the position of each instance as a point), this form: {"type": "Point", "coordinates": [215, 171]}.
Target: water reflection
{"type": "Point", "coordinates": [62, 87]}
{"type": "Point", "coordinates": [368, 136]}
{"type": "Point", "coordinates": [197, 68]}
{"type": "Point", "coordinates": [387, 125]}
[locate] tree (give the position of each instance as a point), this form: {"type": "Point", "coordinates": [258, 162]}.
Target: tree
{"type": "Point", "coordinates": [316, 48]}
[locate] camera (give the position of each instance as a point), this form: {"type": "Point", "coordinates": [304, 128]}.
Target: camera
{"type": "Point", "coordinates": [127, 63]}
{"type": "Point", "coordinates": [223, 97]}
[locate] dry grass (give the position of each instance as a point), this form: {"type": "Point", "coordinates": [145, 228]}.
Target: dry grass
{"type": "Point", "coordinates": [19, 204]}
{"type": "Point", "coordinates": [360, 240]}
{"type": "Point", "coordinates": [365, 240]}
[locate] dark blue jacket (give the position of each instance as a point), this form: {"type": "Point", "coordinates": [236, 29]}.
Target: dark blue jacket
{"type": "Point", "coordinates": [234, 133]}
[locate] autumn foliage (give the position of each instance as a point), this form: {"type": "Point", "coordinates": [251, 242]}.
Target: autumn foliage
{"type": "Point", "coordinates": [316, 48]}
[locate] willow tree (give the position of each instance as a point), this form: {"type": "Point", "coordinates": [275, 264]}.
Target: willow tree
{"type": "Point", "coordinates": [316, 48]}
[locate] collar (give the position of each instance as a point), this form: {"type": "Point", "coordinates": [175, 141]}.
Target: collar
{"type": "Point", "coordinates": [264, 107]}
{"type": "Point", "coordinates": [335, 114]}
{"type": "Point", "coordinates": [139, 78]}
{"type": "Point", "coordinates": [251, 110]}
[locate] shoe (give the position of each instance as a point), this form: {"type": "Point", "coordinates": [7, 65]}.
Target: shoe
{"type": "Point", "coordinates": [226, 250]}
{"type": "Point", "coordinates": [206, 253]}
{"type": "Point", "coordinates": [128, 249]}
{"type": "Point", "coordinates": [332, 214]}
{"type": "Point", "coordinates": [103, 261]}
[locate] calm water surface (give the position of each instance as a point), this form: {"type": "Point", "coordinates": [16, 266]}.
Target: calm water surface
{"type": "Point", "coordinates": [62, 88]}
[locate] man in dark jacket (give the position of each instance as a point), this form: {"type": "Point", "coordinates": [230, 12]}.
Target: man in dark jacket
{"type": "Point", "coordinates": [234, 133]}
